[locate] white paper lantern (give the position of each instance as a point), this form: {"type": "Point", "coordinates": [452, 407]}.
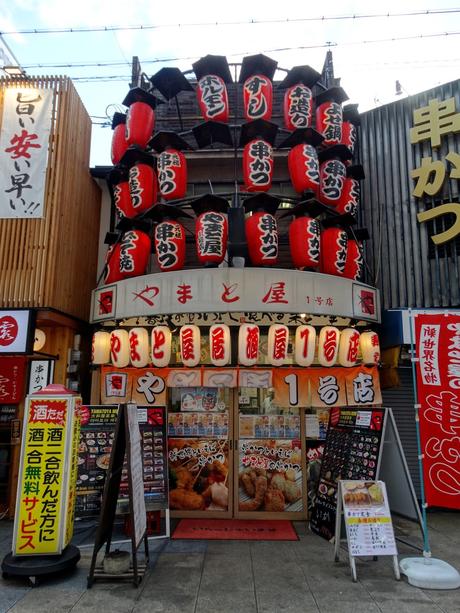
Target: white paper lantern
{"type": "Point", "coordinates": [328, 345]}
{"type": "Point", "coordinates": [160, 354]}
{"type": "Point", "coordinates": [277, 346]}
{"type": "Point", "coordinates": [190, 349]}
{"type": "Point", "coordinates": [39, 339]}
{"type": "Point", "coordinates": [119, 348]}
{"type": "Point", "coordinates": [305, 342]}
{"type": "Point", "coordinates": [219, 344]}
{"type": "Point", "coordinates": [248, 344]}
{"type": "Point", "coordinates": [370, 347]}
{"type": "Point", "coordinates": [348, 347]}
{"type": "Point", "coordinates": [139, 347]}
{"type": "Point", "coordinates": [100, 348]}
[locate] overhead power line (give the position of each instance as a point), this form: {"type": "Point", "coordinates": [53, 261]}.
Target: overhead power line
{"type": "Point", "coordinates": [242, 53]}
{"type": "Point", "coordinates": [352, 16]}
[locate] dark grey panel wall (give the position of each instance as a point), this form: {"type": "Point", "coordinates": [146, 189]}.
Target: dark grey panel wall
{"type": "Point", "coordinates": [404, 263]}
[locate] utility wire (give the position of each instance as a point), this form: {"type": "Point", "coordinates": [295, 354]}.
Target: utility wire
{"type": "Point", "coordinates": [352, 16]}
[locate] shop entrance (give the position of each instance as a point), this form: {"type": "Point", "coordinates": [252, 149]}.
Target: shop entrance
{"type": "Point", "coordinates": [234, 453]}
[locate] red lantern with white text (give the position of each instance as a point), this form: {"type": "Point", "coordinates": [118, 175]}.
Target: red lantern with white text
{"type": "Point", "coordinates": [211, 230]}
{"type": "Point", "coordinates": [139, 347]}
{"type": "Point", "coordinates": [257, 97]}
{"type": "Point", "coordinates": [349, 198]}
{"type": "Point", "coordinates": [304, 242]}
{"type": "Point", "coordinates": [119, 348]}
{"type": "Point", "coordinates": [140, 119]}
{"type": "Point", "coordinates": [262, 229]}
{"type": "Point", "coordinates": [257, 165]}
{"type": "Point", "coordinates": [304, 168]}
{"type": "Point", "coordinates": [370, 348]}
{"type": "Point", "coordinates": [112, 260]}
{"type": "Point", "coordinates": [351, 119]}
{"type": "Point", "coordinates": [121, 195]}
{"type": "Point", "coordinates": [190, 345]}
{"type": "Point", "coordinates": [332, 175]}
{"type": "Point", "coordinates": [219, 344]}
{"type": "Point", "coordinates": [348, 347]}
{"type": "Point", "coordinates": [305, 342]}
{"type": "Point", "coordinates": [119, 142]}
{"type": "Point", "coordinates": [248, 344]}
{"type": "Point", "coordinates": [135, 249]}
{"type": "Point", "coordinates": [278, 344]}
{"type": "Point", "coordinates": [328, 345]}
{"type": "Point", "coordinates": [142, 181]}
{"type": "Point", "coordinates": [160, 343]}
{"type": "Point", "coordinates": [334, 243]}
{"type": "Point", "coordinates": [354, 262]}
{"type": "Point", "coordinates": [298, 107]}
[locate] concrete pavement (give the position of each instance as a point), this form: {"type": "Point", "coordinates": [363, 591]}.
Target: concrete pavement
{"type": "Point", "coordinates": [247, 576]}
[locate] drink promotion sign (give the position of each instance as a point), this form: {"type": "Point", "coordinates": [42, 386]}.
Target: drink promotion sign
{"type": "Point", "coordinates": [438, 389]}
{"type": "Point", "coordinates": [47, 474]}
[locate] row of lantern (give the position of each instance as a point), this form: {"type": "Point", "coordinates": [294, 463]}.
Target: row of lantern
{"type": "Point", "coordinates": [123, 348]}
{"type": "Point", "coordinates": [330, 251]}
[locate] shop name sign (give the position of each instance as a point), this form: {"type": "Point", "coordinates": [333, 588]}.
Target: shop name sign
{"type": "Point", "coordinates": [235, 290]}
{"type": "Point", "coordinates": [15, 331]}
{"type": "Point", "coordinates": [433, 122]}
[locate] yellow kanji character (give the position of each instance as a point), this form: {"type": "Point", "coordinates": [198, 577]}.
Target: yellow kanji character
{"type": "Point", "coordinates": [430, 177]}
{"type": "Point", "coordinates": [434, 120]}
{"type": "Point", "coordinates": [443, 209]}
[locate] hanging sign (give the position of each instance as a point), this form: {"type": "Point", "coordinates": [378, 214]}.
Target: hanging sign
{"type": "Point", "coordinates": [291, 387]}
{"type": "Point", "coordinates": [437, 340]}
{"type": "Point", "coordinates": [12, 374]}
{"type": "Point", "coordinates": [16, 334]}
{"type": "Point", "coordinates": [40, 374]}
{"type": "Point", "coordinates": [363, 386]}
{"type": "Point", "coordinates": [327, 387]}
{"type": "Point", "coordinates": [24, 136]}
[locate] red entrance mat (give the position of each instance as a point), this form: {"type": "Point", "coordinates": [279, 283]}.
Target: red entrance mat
{"type": "Point", "coordinates": [236, 530]}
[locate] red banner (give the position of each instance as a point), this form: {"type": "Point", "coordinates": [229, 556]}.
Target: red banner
{"type": "Point", "coordinates": [12, 371]}
{"type": "Point", "coordinates": [438, 388]}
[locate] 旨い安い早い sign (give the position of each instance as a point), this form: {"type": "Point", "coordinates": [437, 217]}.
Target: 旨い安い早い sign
{"type": "Point", "coordinates": [46, 486]}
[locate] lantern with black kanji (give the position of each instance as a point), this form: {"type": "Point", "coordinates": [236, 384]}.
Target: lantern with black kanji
{"type": "Point", "coordinates": [169, 237]}
{"type": "Point", "coordinates": [256, 74]}
{"type": "Point", "coordinates": [119, 180]}
{"type": "Point", "coordinates": [332, 174]}
{"type": "Point", "coordinates": [142, 181]}
{"type": "Point", "coordinates": [351, 120]}
{"type": "Point", "coordinates": [303, 161]}
{"type": "Point", "coordinates": [211, 229]}
{"type": "Point", "coordinates": [334, 243]}
{"type": "Point", "coordinates": [348, 202]}
{"type": "Point", "coordinates": [119, 142]}
{"type": "Point", "coordinates": [212, 74]}
{"type": "Point", "coordinates": [329, 115]}
{"type": "Point", "coordinates": [257, 138]}
{"type": "Point", "coordinates": [140, 120]}
{"type": "Point", "coordinates": [298, 99]}
{"type": "Point", "coordinates": [171, 164]}
{"type": "Point", "coordinates": [262, 230]}
{"type": "Point", "coordinates": [304, 236]}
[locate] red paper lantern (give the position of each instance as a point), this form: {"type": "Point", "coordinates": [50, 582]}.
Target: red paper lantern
{"type": "Point", "coordinates": [257, 165]}
{"type": "Point", "coordinates": [258, 97]}
{"type": "Point", "coordinates": [329, 122]}
{"type": "Point", "coordinates": [119, 142]}
{"type": "Point", "coordinates": [172, 174]}
{"type": "Point", "coordinates": [332, 175]}
{"type": "Point", "coordinates": [213, 98]}
{"type": "Point", "coordinates": [262, 238]}
{"type": "Point", "coordinates": [298, 107]}
{"type": "Point", "coordinates": [140, 119]}
{"type": "Point", "coordinates": [135, 249]}
{"type": "Point", "coordinates": [349, 198]}
{"type": "Point", "coordinates": [112, 260]}
{"type": "Point", "coordinates": [170, 245]}
{"type": "Point", "coordinates": [142, 188]}
{"type": "Point", "coordinates": [211, 237]}
{"type": "Point", "coordinates": [304, 242]}
{"type": "Point", "coordinates": [304, 168]}
{"type": "Point", "coordinates": [349, 136]}
{"type": "Point", "coordinates": [334, 243]}
{"type": "Point", "coordinates": [121, 195]}
{"type": "Point", "coordinates": [354, 262]}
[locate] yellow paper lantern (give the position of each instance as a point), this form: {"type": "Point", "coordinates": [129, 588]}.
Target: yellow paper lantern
{"type": "Point", "coordinates": [160, 353]}
{"type": "Point", "coordinates": [278, 343]}
{"type": "Point", "coordinates": [190, 349]}
{"type": "Point", "coordinates": [219, 344]}
{"type": "Point", "coordinates": [139, 347]}
{"type": "Point", "coordinates": [119, 348]}
{"type": "Point", "coordinates": [370, 348]}
{"type": "Point", "coordinates": [348, 347]}
{"type": "Point", "coordinates": [328, 345]}
{"type": "Point", "coordinates": [100, 348]}
{"type": "Point", "coordinates": [305, 342]}
{"type": "Point", "coordinates": [248, 344]}
{"type": "Point", "coordinates": [39, 339]}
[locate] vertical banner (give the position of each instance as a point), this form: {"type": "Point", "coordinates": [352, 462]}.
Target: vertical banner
{"type": "Point", "coordinates": [24, 137]}
{"type": "Point", "coordinates": [12, 372]}
{"type": "Point", "coordinates": [437, 339]}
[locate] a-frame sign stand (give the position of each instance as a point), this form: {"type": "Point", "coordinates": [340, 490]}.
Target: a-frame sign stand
{"type": "Point", "coordinates": [127, 439]}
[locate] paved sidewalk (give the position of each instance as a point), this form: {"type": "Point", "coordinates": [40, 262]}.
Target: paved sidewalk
{"type": "Point", "coordinates": [247, 577]}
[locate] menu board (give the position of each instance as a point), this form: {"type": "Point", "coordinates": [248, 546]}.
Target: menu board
{"type": "Point", "coordinates": [198, 472]}
{"type": "Point", "coordinates": [367, 518]}
{"type": "Point", "coordinates": [352, 451]}
{"type": "Point", "coordinates": [152, 427]}
{"type": "Point", "coordinates": [214, 425]}
{"type": "Point", "coordinates": [270, 476]}
{"type": "Point", "coordinates": [136, 486]}
{"type": "Point", "coordinates": [96, 438]}
{"type": "Point", "coordinates": [270, 426]}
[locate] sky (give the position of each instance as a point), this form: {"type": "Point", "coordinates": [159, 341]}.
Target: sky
{"type": "Point", "coordinates": [419, 51]}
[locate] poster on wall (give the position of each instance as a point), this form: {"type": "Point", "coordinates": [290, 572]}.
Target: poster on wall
{"type": "Point", "coordinates": [270, 476]}
{"type": "Point", "coordinates": [199, 399]}
{"type": "Point", "coordinates": [438, 390]}
{"type": "Point", "coordinates": [213, 425]}
{"type": "Point", "coordinates": [198, 474]}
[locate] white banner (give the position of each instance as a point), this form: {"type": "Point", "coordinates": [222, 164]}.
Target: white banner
{"type": "Point", "coordinates": [24, 138]}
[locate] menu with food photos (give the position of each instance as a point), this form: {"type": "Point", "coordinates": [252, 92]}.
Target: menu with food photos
{"type": "Point", "coordinates": [367, 518]}
{"type": "Point", "coordinates": [352, 451]}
